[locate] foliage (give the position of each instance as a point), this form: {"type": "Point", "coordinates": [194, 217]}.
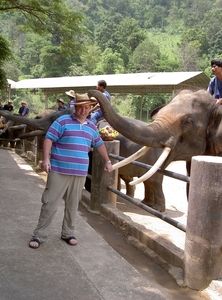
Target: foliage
{"type": "Point", "coordinates": [46, 18]}
{"type": "Point", "coordinates": [145, 58]}
{"type": "Point", "coordinates": [91, 57]}
{"type": "Point", "coordinates": [6, 54]}
{"type": "Point", "coordinates": [79, 37]}
{"type": "Point", "coordinates": [110, 63]}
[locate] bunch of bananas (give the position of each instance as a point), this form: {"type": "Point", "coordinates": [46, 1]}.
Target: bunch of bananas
{"type": "Point", "coordinates": [108, 132]}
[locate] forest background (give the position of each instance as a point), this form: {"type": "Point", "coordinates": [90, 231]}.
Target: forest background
{"type": "Point", "coordinates": [73, 38]}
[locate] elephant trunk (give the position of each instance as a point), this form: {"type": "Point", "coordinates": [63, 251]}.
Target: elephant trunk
{"type": "Point", "coordinates": [146, 135]}
{"type": "Point", "coordinates": [42, 124]}
{"type": "Point", "coordinates": [32, 134]}
{"type": "Point", "coordinates": [18, 119]}
{"type": "Point", "coordinates": [17, 127]}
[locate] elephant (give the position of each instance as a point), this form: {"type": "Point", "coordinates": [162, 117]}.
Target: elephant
{"type": "Point", "coordinates": [39, 125]}
{"type": "Point", "coordinates": [15, 129]}
{"type": "Point", "coordinates": [10, 134]}
{"type": "Point", "coordinates": [190, 124]}
{"type": "Point", "coordinates": [153, 192]}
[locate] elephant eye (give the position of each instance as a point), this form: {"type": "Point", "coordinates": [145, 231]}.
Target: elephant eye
{"type": "Point", "coordinates": [187, 124]}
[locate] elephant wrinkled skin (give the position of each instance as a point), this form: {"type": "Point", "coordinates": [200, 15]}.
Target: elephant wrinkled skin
{"type": "Point", "coordinates": [190, 124]}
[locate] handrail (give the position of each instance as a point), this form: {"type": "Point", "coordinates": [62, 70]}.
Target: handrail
{"type": "Point", "coordinates": [164, 172]}
{"type": "Point", "coordinates": [149, 209]}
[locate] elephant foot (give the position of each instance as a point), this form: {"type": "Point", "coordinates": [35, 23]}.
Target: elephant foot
{"type": "Point", "coordinates": [156, 206]}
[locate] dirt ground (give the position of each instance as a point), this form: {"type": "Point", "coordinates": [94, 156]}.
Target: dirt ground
{"type": "Point", "coordinates": [175, 204]}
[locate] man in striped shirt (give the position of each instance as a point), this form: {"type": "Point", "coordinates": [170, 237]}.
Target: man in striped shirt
{"type": "Point", "coordinates": [66, 146]}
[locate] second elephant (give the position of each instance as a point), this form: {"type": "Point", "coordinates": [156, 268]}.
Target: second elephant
{"type": "Point", "coordinates": [153, 192]}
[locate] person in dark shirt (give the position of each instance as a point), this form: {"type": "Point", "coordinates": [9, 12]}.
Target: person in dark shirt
{"type": "Point", "coordinates": [215, 84]}
{"type": "Point", "coordinates": [72, 98]}
{"type": "Point", "coordinates": [61, 105]}
{"type": "Point", "coordinates": [96, 112]}
{"type": "Point", "coordinates": [9, 106]}
{"type": "Point", "coordinates": [24, 110]}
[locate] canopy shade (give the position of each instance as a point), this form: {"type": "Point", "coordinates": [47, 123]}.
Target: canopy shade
{"type": "Point", "coordinates": [136, 83]}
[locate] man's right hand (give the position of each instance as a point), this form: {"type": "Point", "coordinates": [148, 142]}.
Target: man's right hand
{"type": "Point", "coordinates": [46, 165]}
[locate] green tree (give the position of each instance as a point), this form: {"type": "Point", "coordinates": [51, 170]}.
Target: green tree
{"type": "Point", "coordinates": [216, 45]}
{"type": "Point", "coordinates": [5, 56]}
{"type": "Point", "coordinates": [12, 70]}
{"type": "Point", "coordinates": [43, 17]}
{"type": "Point", "coordinates": [195, 14]}
{"type": "Point", "coordinates": [30, 51]}
{"type": "Point", "coordinates": [196, 38]}
{"type": "Point", "coordinates": [110, 63]}
{"type": "Point", "coordinates": [189, 57]}
{"type": "Point", "coordinates": [145, 58]}
{"type": "Point", "coordinates": [75, 70]}
{"type": "Point", "coordinates": [105, 36]}
{"type": "Point", "coordinates": [51, 58]}
{"type": "Point", "coordinates": [91, 57]}
{"type": "Point", "coordinates": [128, 35]}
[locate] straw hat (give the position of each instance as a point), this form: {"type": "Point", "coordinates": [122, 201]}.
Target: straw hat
{"type": "Point", "coordinates": [60, 100]}
{"type": "Point", "coordinates": [71, 93]}
{"type": "Point", "coordinates": [10, 101]}
{"type": "Point", "coordinates": [83, 99]}
{"type": "Point", "coordinates": [23, 102]}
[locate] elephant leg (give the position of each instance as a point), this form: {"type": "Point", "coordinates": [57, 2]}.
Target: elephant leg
{"type": "Point", "coordinates": [154, 196]}
{"type": "Point", "coordinates": [19, 144]}
{"type": "Point", "coordinates": [130, 189]}
{"type": "Point", "coordinates": [88, 180]}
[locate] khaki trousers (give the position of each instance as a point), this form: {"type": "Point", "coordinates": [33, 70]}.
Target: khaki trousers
{"type": "Point", "coordinates": [59, 186]}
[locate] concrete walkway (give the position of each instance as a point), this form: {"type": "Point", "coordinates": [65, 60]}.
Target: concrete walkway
{"type": "Point", "coordinates": [90, 270]}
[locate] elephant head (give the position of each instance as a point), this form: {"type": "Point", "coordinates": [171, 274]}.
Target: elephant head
{"type": "Point", "coordinates": [188, 125]}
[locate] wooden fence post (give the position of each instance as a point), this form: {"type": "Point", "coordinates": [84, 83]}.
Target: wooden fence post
{"type": "Point", "coordinates": [203, 245]}
{"type": "Point", "coordinates": [101, 179]}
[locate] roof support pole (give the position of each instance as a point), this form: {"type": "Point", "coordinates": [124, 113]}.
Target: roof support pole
{"type": "Point", "coordinates": [46, 99]}
{"type": "Point", "coordinates": [9, 91]}
{"type": "Point", "coordinates": [173, 92]}
{"type": "Point", "coordinates": [141, 106]}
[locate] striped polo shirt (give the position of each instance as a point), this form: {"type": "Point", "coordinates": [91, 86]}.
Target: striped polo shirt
{"type": "Point", "coordinates": [72, 141]}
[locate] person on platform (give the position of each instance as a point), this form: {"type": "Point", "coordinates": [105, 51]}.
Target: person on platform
{"type": "Point", "coordinates": [215, 84]}
{"type": "Point", "coordinates": [65, 159]}
{"type": "Point", "coordinates": [96, 112]}
{"type": "Point", "coordinates": [61, 105]}
{"type": "Point", "coordinates": [9, 106]}
{"type": "Point", "coordinates": [72, 98]}
{"type": "Point", "coordinates": [24, 110]}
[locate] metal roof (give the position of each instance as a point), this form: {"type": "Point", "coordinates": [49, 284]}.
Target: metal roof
{"type": "Point", "coordinates": [136, 83]}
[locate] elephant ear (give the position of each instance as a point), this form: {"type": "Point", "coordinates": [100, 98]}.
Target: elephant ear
{"type": "Point", "coordinates": [214, 134]}
{"type": "Point", "coordinates": [155, 111]}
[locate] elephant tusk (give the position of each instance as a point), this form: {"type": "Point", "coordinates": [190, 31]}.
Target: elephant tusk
{"type": "Point", "coordinates": [154, 168]}
{"type": "Point", "coordinates": [131, 158]}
